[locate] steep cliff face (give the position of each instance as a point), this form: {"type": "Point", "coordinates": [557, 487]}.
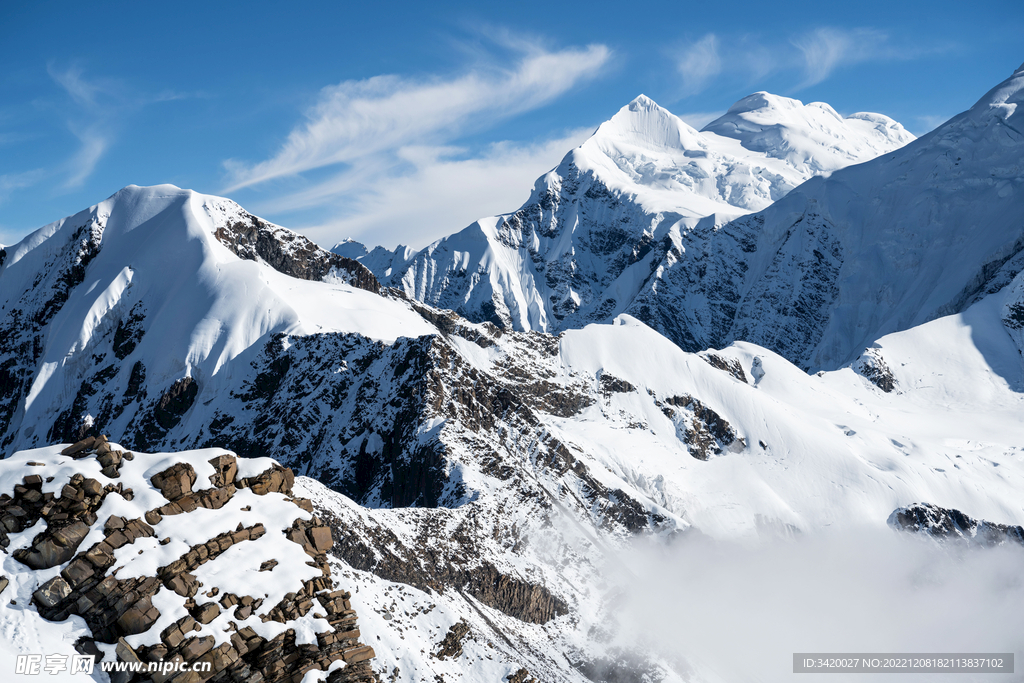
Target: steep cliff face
{"type": "Point", "coordinates": [193, 557]}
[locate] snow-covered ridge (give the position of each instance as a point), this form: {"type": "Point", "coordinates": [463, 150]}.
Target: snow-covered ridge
{"type": "Point", "coordinates": [917, 233]}
{"type": "Point", "coordinates": [160, 271]}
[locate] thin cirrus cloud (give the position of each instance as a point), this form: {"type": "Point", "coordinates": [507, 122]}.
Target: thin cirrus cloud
{"type": "Point", "coordinates": [357, 120]}
{"type": "Point", "coordinates": [699, 63]}
{"type": "Point", "coordinates": [101, 106]}
{"type": "Point", "coordinates": [812, 57]}
{"type": "Point", "coordinates": [826, 49]}
{"type": "Point", "coordinates": [92, 124]}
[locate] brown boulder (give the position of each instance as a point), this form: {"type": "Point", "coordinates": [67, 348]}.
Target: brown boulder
{"type": "Point", "coordinates": [176, 481]}
{"type": "Point", "coordinates": [226, 470]}
{"type": "Point", "coordinates": [206, 613]}
{"type": "Point", "coordinates": [52, 592]}
{"type": "Point", "coordinates": [321, 537]}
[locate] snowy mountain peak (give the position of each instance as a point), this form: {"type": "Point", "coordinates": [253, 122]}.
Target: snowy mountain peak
{"type": "Point", "coordinates": [642, 102]}
{"type": "Point", "coordinates": [586, 241]}
{"type": "Point", "coordinates": [644, 124]}
{"type": "Point", "coordinates": [812, 137]}
{"type": "Point", "coordinates": [763, 101]}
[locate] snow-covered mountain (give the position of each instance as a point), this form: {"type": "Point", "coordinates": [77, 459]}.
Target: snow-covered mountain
{"type": "Point", "coordinates": [487, 487]}
{"type": "Point", "coordinates": [596, 227]}
{"type": "Point", "coordinates": [918, 233]}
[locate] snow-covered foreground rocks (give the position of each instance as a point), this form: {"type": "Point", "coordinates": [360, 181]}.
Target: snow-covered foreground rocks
{"type": "Point", "coordinates": [192, 557]}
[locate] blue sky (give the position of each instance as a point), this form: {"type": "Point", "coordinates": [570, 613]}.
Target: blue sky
{"type": "Point", "coordinates": [401, 122]}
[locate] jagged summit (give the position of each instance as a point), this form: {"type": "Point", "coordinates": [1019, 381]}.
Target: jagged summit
{"type": "Point", "coordinates": [644, 125]}
{"type": "Point", "coordinates": [920, 232]}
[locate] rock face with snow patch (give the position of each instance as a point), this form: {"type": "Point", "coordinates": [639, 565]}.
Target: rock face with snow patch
{"type": "Point", "coordinates": [946, 524]}
{"type": "Point", "coordinates": [917, 233]}
{"type": "Point", "coordinates": [283, 250]}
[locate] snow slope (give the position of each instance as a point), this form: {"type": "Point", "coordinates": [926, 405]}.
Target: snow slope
{"type": "Point", "coordinates": [585, 242]}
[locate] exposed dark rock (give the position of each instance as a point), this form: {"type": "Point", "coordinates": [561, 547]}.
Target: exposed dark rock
{"type": "Point", "coordinates": [706, 432]}
{"type": "Point", "coordinates": [451, 646]}
{"type": "Point", "coordinates": [872, 366]}
{"type": "Point", "coordinates": [129, 332]}
{"type": "Point", "coordinates": [732, 366]}
{"type": "Point", "coordinates": [613, 385]}
{"type": "Point", "coordinates": [22, 331]}
{"type": "Point", "coordinates": [948, 524]}
{"type": "Point", "coordinates": [113, 608]}
{"type": "Point", "coordinates": [431, 568]}
{"type": "Point", "coordinates": [136, 380]}
{"type": "Point", "coordinates": [175, 481]}
{"type": "Point", "coordinates": [622, 668]}
{"type": "Point", "coordinates": [175, 402]}
{"type": "Point", "coordinates": [521, 676]}
{"type": "Point", "coordinates": [290, 253]}
{"type": "Point", "coordinates": [52, 592]}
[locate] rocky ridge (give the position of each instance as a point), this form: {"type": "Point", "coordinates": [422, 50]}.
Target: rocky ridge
{"type": "Point", "coordinates": [952, 526]}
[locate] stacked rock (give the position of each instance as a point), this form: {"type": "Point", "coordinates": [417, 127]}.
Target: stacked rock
{"type": "Point", "coordinates": [116, 608]}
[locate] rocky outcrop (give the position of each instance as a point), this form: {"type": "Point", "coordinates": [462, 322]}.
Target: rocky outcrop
{"type": "Point", "coordinates": [290, 253]}
{"type": "Point", "coordinates": [451, 646]}
{"type": "Point", "coordinates": [175, 402]}
{"type": "Point", "coordinates": [705, 432]}
{"type": "Point", "coordinates": [135, 612]}
{"type": "Point", "coordinates": [951, 525]}
{"type": "Point", "coordinates": [730, 365]}
{"type": "Point", "coordinates": [872, 367]}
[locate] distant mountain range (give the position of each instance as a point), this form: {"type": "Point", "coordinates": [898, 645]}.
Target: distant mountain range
{"type": "Point", "coordinates": [605, 228]}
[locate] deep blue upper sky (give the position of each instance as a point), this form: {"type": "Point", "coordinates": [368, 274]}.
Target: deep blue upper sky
{"type": "Point", "coordinates": [402, 121]}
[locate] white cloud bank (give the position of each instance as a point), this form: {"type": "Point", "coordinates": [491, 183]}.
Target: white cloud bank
{"type": "Point", "coordinates": [440, 195]}
{"type": "Point", "coordinates": [733, 612]}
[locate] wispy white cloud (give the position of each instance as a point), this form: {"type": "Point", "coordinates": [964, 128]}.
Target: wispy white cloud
{"type": "Point", "coordinates": [812, 56]}
{"type": "Point", "coordinates": [356, 120]}
{"type": "Point", "coordinates": [825, 49]}
{"type": "Point", "coordinates": [10, 182]}
{"type": "Point", "coordinates": [699, 63]}
{"type": "Point", "coordinates": [440, 192]}
{"type": "Point", "coordinates": [82, 164]}
{"type": "Point", "coordinates": [93, 123]}
{"type": "Point", "coordinates": [101, 105]}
